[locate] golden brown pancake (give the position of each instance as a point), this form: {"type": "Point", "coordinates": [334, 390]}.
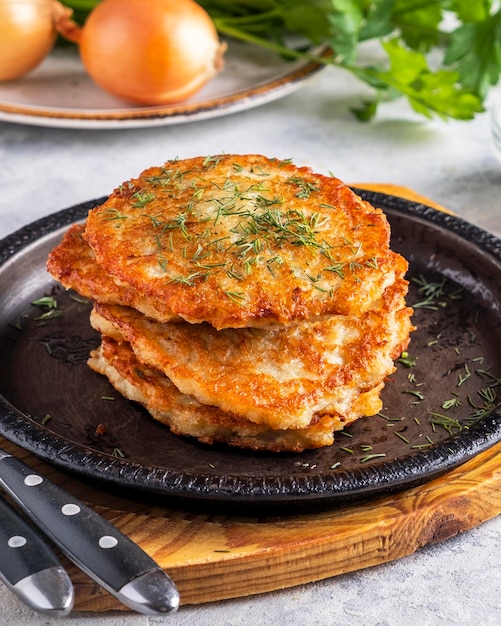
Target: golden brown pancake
{"type": "Point", "coordinates": [243, 240]}
{"type": "Point", "coordinates": [185, 416]}
{"type": "Point", "coordinates": [241, 299]}
{"type": "Point", "coordinates": [73, 263]}
{"type": "Point", "coordinates": [282, 376]}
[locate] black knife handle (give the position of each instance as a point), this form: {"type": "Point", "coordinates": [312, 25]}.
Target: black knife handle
{"type": "Point", "coordinates": [29, 568]}
{"type": "Point", "coordinates": [94, 544]}
{"type": "Point", "coordinates": [23, 552]}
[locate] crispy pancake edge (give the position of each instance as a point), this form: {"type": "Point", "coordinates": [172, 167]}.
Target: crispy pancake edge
{"type": "Point", "coordinates": [161, 236]}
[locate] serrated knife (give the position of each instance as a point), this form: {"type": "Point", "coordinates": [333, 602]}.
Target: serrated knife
{"type": "Point", "coordinates": [98, 548]}
{"type": "Point", "coordinates": [29, 568]}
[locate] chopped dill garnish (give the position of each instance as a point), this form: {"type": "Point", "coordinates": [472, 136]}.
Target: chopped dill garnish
{"type": "Point", "coordinates": [48, 315]}
{"type": "Point", "coordinates": [390, 419]}
{"type": "Point", "coordinates": [371, 457]}
{"type": "Point", "coordinates": [431, 291]}
{"type": "Point", "coordinates": [236, 296]}
{"type": "Point", "coordinates": [77, 298]}
{"type": "Point", "coordinates": [448, 404]}
{"type": "Point", "coordinates": [141, 199]}
{"type": "Point", "coordinates": [450, 424]}
{"type": "Point", "coordinates": [406, 360]}
{"type": "Point", "coordinates": [111, 214]}
{"type": "Point", "coordinates": [494, 381]}
{"type": "Point", "coordinates": [211, 161]}
{"type": "Point", "coordinates": [488, 395]}
{"type": "Point", "coordinates": [47, 346]}
{"type": "Point", "coordinates": [400, 436]}
{"type": "Point", "coordinates": [189, 280]}
{"type": "Point", "coordinates": [464, 377]}
{"type": "Point", "coordinates": [415, 393]}
{"type": "Point", "coordinates": [456, 295]}
{"type": "Point", "coordinates": [46, 302]}
{"type": "Point", "coordinates": [162, 261]}
{"type": "Point", "coordinates": [305, 187]}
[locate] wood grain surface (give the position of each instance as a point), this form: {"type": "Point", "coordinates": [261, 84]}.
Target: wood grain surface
{"type": "Point", "coordinates": [213, 556]}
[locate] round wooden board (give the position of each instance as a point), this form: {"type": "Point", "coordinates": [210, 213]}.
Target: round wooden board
{"type": "Point", "coordinates": [214, 557]}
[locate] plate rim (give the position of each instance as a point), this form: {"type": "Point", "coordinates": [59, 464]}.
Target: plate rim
{"type": "Point", "coordinates": [310, 487]}
{"type": "Point", "coordinates": [256, 94]}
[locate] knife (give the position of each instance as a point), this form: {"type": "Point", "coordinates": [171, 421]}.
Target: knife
{"type": "Point", "coordinates": [91, 542]}
{"type": "Point", "coordinates": [29, 568]}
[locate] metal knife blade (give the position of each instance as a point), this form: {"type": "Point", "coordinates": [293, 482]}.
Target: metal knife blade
{"type": "Point", "coordinates": [29, 568]}
{"type": "Point", "coordinates": [91, 542]}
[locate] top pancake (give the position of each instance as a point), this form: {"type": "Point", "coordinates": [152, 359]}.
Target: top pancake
{"type": "Point", "coordinates": [243, 241]}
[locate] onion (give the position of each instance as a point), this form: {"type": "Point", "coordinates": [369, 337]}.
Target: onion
{"type": "Point", "coordinates": [150, 53]}
{"type": "Point", "coordinates": [28, 30]}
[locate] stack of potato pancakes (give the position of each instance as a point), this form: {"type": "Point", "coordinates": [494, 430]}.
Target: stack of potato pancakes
{"type": "Point", "coordinates": [241, 299]}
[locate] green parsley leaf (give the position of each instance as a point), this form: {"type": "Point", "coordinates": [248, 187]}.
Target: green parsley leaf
{"type": "Point", "coordinates": [429, 92]}
{"type": "Point", "coordinates": [418, 23]}
{"type": "Point", "coordinates": [468, 11]}
{"type": "Point", "coordinates": [475, 52]}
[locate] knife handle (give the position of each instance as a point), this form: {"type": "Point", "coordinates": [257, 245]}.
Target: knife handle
{"type": "Point", "coordinates": [29, 568]}
{"type": "Point", "coordinates": [93, 543]}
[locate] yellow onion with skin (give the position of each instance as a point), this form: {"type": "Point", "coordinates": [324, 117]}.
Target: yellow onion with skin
{"type": "Point", "coordinates": [28, 30]}
{"type": "Point", "coordinates": [150, 53]}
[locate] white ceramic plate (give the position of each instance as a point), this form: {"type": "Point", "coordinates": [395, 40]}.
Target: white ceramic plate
{"type": "Point", "coordinates": [60, 94]}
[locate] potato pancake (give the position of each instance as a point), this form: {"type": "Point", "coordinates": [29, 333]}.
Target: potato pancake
{"type": "Point", "coordinates": [281, 376]}
{"type": "Point", "coordinates": [243, 240]}
{"type": "Point", "coordinates": [241, 300]}
{"type": "Point", "coordinates": [73, 263]}
{"type": "Point", "coordinates": [185, 416]}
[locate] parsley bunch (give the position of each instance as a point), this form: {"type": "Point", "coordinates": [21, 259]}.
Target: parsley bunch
{"type": "Point", "coordinates": [462, 36]}
{"type": "Point", "coordinates": [442, 55]}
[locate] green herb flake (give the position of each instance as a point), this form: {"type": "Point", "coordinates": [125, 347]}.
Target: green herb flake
{"type": "Point", "coordinates": [464, 377]}
{"type": "Point", "coordinates": [46, 302]}
{"type": "Point", "coordinates": [371, 457]}
{"type": "Point", "coordinates": [406, 360]}
{"type": "Point", "coordinates": [348, 450]}
{"type": "Point", "coordinates": [236, 296]}
{"type": "Point", "coordinates": [48, 315]}
{"type": "Point", "coordinates": [111, 214]}
{"type": "Point", "coordinates": [449, 404]}
{"type": "Point", "coordinates": [402, 437]}
{"type": "Point", "coordinates": [79, 299]}
{"type": "Point", "coordinates": [415, 393]}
